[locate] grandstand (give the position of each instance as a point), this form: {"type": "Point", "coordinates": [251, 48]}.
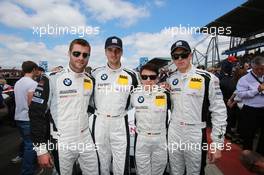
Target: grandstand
{"type": "Point", "coordinates": [247, 30]}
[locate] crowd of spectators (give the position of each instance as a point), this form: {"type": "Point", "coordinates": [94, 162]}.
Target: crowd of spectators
{"type": "Point", "coordinates": [10, 73]}
{"type": "Point", "coordinates": [241, 82]}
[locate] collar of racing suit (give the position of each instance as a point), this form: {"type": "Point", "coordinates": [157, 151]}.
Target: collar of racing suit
{"type": "Point", "coordinates": [186, 74]}
{"type": "Point", "coordinates": [114, 70]}
{"type": "Point", "coordinates": [76, 75]}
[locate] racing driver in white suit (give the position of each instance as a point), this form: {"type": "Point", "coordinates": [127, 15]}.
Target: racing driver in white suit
{"type": "Point", "coordinates": [67, 94]}
{"type": "Point", "coordinates": [193, 93]}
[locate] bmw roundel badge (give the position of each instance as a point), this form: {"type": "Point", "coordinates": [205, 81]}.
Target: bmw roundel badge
{"type": "Point", "coordinates": [175, 82]}
{"type": "Point", "coordinates": [140, 99]}
{"type": "Point", "coordinates": [104, 76]}
{"type": "Point", "coordinates": [67, 82]}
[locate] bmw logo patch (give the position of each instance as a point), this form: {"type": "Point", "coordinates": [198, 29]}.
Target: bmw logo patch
{"type": "Point", "coordinates": [140, 99]}
{"type": "Point", "coordinates": [67, 82]}
{"type": "Point", "coordinates": [104, 77]}
{"type": "Point", "coordinates": [175, 82]}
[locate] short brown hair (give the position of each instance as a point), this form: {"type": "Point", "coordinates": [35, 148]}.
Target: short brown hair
{"type": "Point", "coordinates": [29, 66]}
{"type": "Point", "coordinates": [79, 41]}
{"type": "Point", "coordinates": [151, 67]}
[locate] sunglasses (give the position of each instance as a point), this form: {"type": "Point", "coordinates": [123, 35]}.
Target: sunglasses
{"type": "Point", "coordinates": [182, 55]}
{"type": "Point", "coordinates": [84, 55]}
{"type": "Point", "coordinates": [151, 77]}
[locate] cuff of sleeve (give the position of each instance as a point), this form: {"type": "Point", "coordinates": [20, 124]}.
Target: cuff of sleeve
{"type": "Point", "coordinates": [42, 149]}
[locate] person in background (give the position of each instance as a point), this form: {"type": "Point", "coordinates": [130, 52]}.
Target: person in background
{"type": "Point", "coordinates": [39, 73]}
{"type": "Point", "coordinates": [24, 89]}
{"type": "Point", "coordinates": [56, 69]}
{"type": "Point", "coordinates": [228, 86]}
{"type": "Point", "coordinates": [201, 67]}
{"type": "Point", "coordinates": [250, 89]}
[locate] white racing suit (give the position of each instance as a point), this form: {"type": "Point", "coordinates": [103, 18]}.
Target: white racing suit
{"type": "Point", "coordinates": [151, 120]}
{"type": "Point", "coordinates": [192, 94]}
{"type": "Point", "coordinates": [66, 94]}
{"type": "Point", "coordinates": [110, 126]}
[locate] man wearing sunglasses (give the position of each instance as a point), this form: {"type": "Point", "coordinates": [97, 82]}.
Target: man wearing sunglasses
{"type": "Point", "coordinates": [113, 84]}
{"type": "Point", "coordinates": [66, 94]}
{"type": "Point", "coordinates": [193, 93]}
{"type": "Point", "coordinates": [151, 115]}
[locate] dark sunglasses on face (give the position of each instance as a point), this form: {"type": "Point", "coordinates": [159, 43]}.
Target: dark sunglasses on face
{"type": "Point", "coordinates": [77, 54]}
{"type": "Point", "coordinates": [151, 77]}
{"type": "Point", "coordinates": [182, 55]}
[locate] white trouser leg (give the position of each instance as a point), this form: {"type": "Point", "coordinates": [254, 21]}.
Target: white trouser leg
{"type": "Point", "coordinates": [88, 157]}
{"type": "Point", "coordinates": [142, 156]}
{"type": "Point", "coordinates": [176, 155]}
{"type": "Point", "coordinates": [101, 134]}
{"type": "Point", "coordinates": [119, 141]}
